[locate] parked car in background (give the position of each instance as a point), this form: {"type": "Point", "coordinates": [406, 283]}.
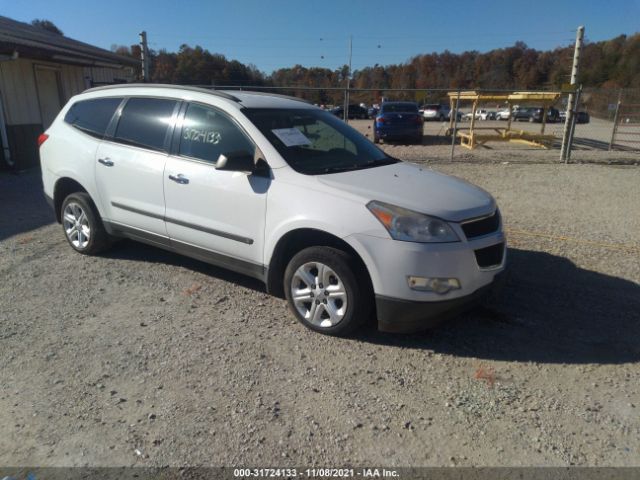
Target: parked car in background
{"type": "Point", "coordinates": [398, 121]}
{"type": "Point", "coordinates": [553, 115]}
{"type": "Point", "coordinates": [436, 111]}
{"type": "Point", "coordinates": [536, 114]}
{"type": "Point", "coordinates": [524, 114]}
{"type": "Point", "coordinates": [372, 112]}
{"type": "Point", "coordinates": [354, 112]}
{"type": "Point", "coordinates": [277, 189]}
{"type": "Point", "coordinates": [481, 114]}
{"type": "Point", "coordinates": [491, 115]}
{"type": "Point", "coordinates": [582, 117]}
{"type": "Point", "coordinates": [503, 114]}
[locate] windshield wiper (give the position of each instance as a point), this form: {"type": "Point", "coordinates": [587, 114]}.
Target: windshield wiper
{"type": "Point", "coordinates": [342, 168]}
{"type": "Point", "coordinates": [360, 166]}
{"type": "Point", "coordinates": [379, 162]}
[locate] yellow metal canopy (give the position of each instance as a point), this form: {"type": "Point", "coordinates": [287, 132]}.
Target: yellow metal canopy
{"type": "Point", "coordinates": [473, 136]}
{"type": "Point", "coordinates": [479, 96]}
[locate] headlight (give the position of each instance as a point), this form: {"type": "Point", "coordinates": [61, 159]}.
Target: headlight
{"type": "Point", "coordinates": [410, 226]}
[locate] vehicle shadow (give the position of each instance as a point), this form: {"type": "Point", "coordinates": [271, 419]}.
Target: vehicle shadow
{"type": "Point", "coordinates": [135, 251]}
{"type": "Point", "coordinates": [550, 311]}
{"type": "Point", "coordinates": [24, 207]}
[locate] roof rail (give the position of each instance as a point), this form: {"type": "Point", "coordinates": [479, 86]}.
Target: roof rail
{"type": "Point", "coordinates": [217, 93]}
{"type": "Point", "coordinates": [288, 97]}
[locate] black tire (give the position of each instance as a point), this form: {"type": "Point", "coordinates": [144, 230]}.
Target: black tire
{"type": "Point", "coordinates": [354, 280]}
{"type": "Point", "coordinates": [99, 239]}
{"type": "Point", "coordinates": [418, 140]}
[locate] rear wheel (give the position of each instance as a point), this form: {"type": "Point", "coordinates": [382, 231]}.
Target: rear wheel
{"type": "Point", "coordinates": [82, 225]}
{"type": "Point", "coordinates": [327, 291]}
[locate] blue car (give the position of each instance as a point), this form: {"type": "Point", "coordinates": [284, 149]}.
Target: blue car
{"type": "Point", "coordinates": [398, 121]}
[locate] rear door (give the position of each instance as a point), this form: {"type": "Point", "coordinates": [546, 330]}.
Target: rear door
{"type": "Point", "coordinates": [130, 164]}
{"type": "Point", "coordinates": [220, 213]}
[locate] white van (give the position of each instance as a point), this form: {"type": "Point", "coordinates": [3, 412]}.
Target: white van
{"type": "Point", "coordinates": [278, 189]}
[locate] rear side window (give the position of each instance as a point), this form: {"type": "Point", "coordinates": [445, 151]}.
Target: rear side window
{"type": "Point", "coordinates": [207, 133]}
{"type": "Point", "coordinates": [144, 122]}
{"type": "Point", "coordinates": [92, 116]}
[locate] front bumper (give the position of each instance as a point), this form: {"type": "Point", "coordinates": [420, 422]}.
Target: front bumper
{"type": "Point", "coordinates": [390, 262]}
{"type": "Point", "coordinates": [405, 316]}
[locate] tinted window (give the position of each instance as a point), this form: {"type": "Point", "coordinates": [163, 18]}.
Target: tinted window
{"type": "Point", "coordinates": [207, 133]}
{"type": "Point", "coordinates": [144, 122]}
{"type": "Point", "coordinates": [92, 116]}
{"type": "Point", "coordinates": [400, 107]}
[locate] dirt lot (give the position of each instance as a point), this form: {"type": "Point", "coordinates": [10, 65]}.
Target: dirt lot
{"type": "Point", "coordinates": [142, 357]}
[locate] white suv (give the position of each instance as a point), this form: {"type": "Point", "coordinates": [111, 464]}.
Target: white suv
{"type": "Point", "coordinates": [275, 188]}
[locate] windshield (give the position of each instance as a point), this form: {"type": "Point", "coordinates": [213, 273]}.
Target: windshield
{"type": "Point", "coordinates": [400, 107]}
{"type": "Point", "coordinates": [315, 142]}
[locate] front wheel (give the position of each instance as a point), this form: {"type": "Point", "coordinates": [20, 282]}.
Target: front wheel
{"type": "Point", "coordinates": [327, 291]}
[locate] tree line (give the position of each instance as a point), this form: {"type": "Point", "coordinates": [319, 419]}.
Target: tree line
{"type": "Point", "coordinates": [613, 63]}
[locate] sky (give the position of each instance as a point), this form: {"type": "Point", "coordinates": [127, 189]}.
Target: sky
{"type": "Point", "coordinates": [281, 33]}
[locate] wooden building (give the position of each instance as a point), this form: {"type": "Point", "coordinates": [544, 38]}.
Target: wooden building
{"type": "Point", "coordinates": [39, 71]}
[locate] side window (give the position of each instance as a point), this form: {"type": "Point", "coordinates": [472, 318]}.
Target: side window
{"type": "Point", "coordinates": [207, 133]}
{"type": "Point", "coordinates": [144, 122]}
{"type": "Point", "coordinates": [92, 116]}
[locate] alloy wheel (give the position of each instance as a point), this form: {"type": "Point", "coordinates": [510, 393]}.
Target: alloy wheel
{"type": "Point", "coordinates": [318, 294]}
{"type": "Point", "coordinates": [76, 225]}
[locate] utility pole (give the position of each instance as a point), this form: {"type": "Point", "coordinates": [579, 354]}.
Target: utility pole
{"type": "Point", "coordinates": [564, 156]}
{"type": "Point", "coordinates": [615, 121]}
{"type": "Point", "coordinates": [144, 56]}
{"type": "Point", "coordinates": [572, 129]}
{"type": "Point", "coordinates": [346, 92]}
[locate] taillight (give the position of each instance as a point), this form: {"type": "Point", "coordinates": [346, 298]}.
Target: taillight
{"type": "Point", "coordinates": [418, 120]}
{"type": "Point", "coordinates": [42, 138]}
{"type": "Point", "coordinates": [380, 119]}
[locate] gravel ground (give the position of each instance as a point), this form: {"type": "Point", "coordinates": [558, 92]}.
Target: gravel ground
{"type": "Point", "coordinates": [142, 357]}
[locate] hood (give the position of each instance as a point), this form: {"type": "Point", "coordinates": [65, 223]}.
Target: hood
{"type": "Point", "coordinates": [416, 188]}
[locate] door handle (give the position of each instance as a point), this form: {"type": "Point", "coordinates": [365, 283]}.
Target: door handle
{"type": "Point", "coordinates": [106, 162]}
{"type": "Point", "coordinates": [181, 179]}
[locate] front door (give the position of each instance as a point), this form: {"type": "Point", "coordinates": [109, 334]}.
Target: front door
{"type": "Point", "coordinates": [130, 166]}
{"type": "Point", "coordinates": [218, 212]}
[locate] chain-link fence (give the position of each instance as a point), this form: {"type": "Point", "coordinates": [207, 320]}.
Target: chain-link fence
{"type": "Point", "coordinates": [607, 121]}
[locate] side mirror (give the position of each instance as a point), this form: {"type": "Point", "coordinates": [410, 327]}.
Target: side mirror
{"type": "Point", "coordinates": [240, 161]}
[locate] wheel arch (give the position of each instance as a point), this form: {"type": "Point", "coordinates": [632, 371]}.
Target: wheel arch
{"type": "Point", "coordinates": [298, 239]}
{"type": "Point", "coordinates": [64, 187]}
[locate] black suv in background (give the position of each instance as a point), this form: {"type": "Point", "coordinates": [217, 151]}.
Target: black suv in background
{"type": "Point", "coordinates": [355, 111]}
{"type": "Point", "coordinates": [553, 115]}
{"type": "Point", "coordinates": [533, 114]}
